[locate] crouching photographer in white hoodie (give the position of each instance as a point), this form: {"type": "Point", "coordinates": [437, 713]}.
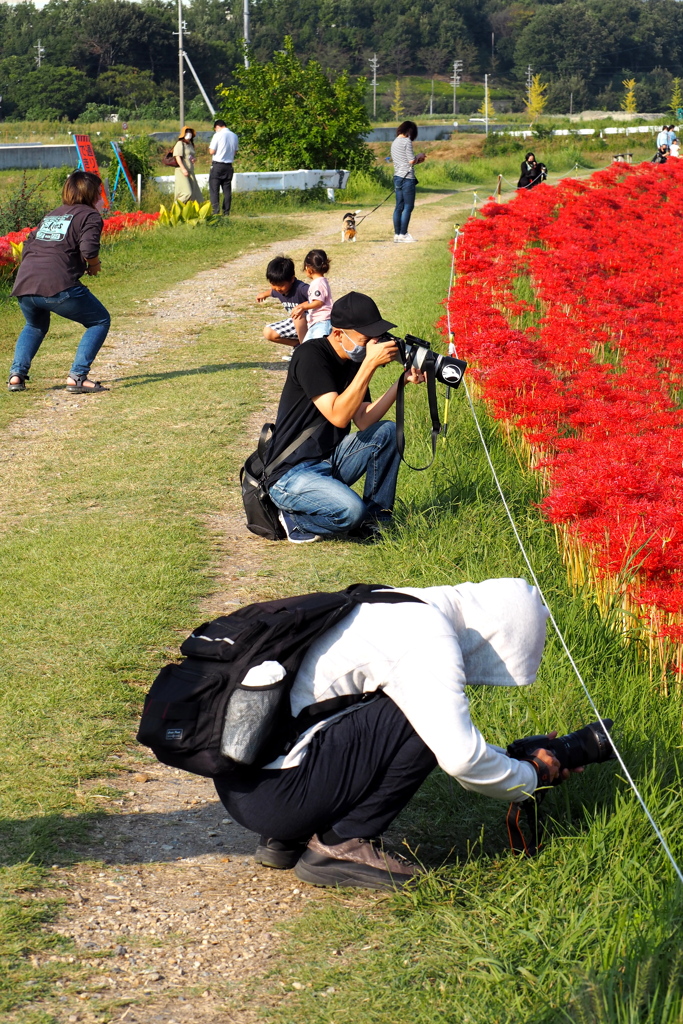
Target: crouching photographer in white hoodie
{"type": "Point", "coordinates": [321, 807]}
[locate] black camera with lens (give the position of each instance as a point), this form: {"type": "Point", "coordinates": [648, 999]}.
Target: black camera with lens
{"type": "Point", "coordinates": [590, 745]}
{"type": "Point", "coordinates": [417, 353]}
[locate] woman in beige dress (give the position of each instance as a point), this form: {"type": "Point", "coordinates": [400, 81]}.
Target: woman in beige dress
{"type": "Point", "coordinates": [186, 187]}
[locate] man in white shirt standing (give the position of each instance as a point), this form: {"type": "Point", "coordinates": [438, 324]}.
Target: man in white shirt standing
{"type": "Point", "coordinates": [663, 137]}
{"type": "Point", "coordinates": [223, 147]}
{"type": "Point", "coordinates": [347, 777]}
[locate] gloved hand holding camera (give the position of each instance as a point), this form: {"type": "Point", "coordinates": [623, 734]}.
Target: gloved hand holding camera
{"type": "Point", "coordinates": [555, 757]}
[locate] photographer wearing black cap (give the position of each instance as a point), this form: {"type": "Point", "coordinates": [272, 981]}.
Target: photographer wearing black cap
{"type": "Point", "coordinates": [327, 389]}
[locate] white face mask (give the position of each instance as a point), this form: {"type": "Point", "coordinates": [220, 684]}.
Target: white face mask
{"type": "Point", "coordinates": [355, 354]}
{"type": "Point", "coordinates": [188, 137]}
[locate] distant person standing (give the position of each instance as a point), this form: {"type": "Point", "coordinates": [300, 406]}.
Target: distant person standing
{"type": "Point", "coordinates": [663, 137]}
{"type": "Point", "coordinates": [64, 246]}
{"type": "Point", "coordinates": [186, 187]}
{"type": "Point", "coordinates": [223, 147]}
{"type": "Point", "coordinates": [405, 182]}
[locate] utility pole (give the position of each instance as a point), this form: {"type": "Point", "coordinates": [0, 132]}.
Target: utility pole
{"type": "Point", "coordinates": [486, 102]}
{"type": "Point", "coordinates": [247, 37]}
{"type": "Point", "coordinates": [455, 81]}
{"type": "Point", "coordinates": [529, 81]}
{"type": "Point", "coordinates": [431, 100]}
{"type": "Point", "coordinates": [40, 53]}
{"type": "Point", "coordinates": [571, 103]}
{"type": "Point", "coordinates": [374, 64]}
{"type": "Point", "coordinates": [181, 65]}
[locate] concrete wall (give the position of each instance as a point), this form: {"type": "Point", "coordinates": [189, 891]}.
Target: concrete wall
{"type": "Point", "coordinates": [259, 181]}
{"type": "Point", "coordinates": [33, 154]}
{"type": "Point", "coordinates": [173, 136]}
{"type": "Point", "coordinates": [426, 133]}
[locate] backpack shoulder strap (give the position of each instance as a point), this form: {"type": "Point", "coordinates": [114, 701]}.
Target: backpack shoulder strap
{"type": "Point", "coordinates": [361, 593]}
{"type": "Point", "coordinates": [378, 593]}
{"type": "Point", "coordinates": [296, 443]}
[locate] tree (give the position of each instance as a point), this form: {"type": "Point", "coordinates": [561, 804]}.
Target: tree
{"type": "Point", "coordinates": [127, 85]}
{"type": "Point", "coordinates": [676, 101]}
{"type": "Point", "coordinates": [397, 107]}
{"type": "Point", "coordinates": [486, 109]}
{"type": "Point", "coordinates": [537, 99]}
{"type": "Point", "coordinates": [629, 103]}
{"type": "Point", "coordinates": [434, 59]}
{"type": "Point", "coordinates": [58, 92]}
{"type": "Point", "coordinates": [288, 114]}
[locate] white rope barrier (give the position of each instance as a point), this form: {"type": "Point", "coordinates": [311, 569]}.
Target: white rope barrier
{"type": "Point", "coordinates": [453, 351]}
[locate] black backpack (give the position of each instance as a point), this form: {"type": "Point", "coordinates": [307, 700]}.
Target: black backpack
{"type": "Point", "coordinates": [199, 717]}
{"type": "Point", "coordinates": [260, 510]}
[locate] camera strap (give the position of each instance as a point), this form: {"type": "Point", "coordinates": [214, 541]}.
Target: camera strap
{"type": "Point", "coordinates": [531, 806]}
{"type": "Point", "coordinates": [433, 412]}
{"type": "Point", "coordinates": [518, 841]}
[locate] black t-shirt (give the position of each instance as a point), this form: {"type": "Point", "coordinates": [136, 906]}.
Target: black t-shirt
{"type": "Point", "coordinates": [315, 369]}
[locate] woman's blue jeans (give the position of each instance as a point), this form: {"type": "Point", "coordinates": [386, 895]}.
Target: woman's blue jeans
{"type": "Point", "coordinates": [318, 495]}
{"type": "Point", "coordinates": [77, 303]}
{"type": "Point", "coordinates": [405, 201]}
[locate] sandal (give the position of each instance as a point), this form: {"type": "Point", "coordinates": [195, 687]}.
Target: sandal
{"type": "Point", "coordinates": [21, 386]}
{"type": "Point", "coordinates": [79, 389]}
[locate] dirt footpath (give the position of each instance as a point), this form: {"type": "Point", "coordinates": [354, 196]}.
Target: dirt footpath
{"type": "Point", "coordinates": [168, 912]}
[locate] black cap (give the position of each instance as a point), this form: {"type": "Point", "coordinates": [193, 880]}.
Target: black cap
{"type": "Point", "coordinates": [358, 312]}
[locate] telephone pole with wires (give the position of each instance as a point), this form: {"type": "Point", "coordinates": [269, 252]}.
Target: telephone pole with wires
{"type": "Point", "coordinates": [40, 53]}
{"type": "Point", "coordinates": [455, 81]}
{"type": "Point", "coordinates": [181, 65]}
{"type": "Point", "coordinates": [529, 83]}
{"type": "Point", "coordinates": [374, 64]}
{"type": "Point", "coordinates": [247, 36]}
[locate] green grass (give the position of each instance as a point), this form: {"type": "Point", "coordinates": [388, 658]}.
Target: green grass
{"type": "Point", "coordinates": [133, 268]}
{"type": "Point", "coordinates": [107, 552]}
{"type": "Point", "coordinates": [588, 931]}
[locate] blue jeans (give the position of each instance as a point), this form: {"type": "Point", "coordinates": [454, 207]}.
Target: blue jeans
{"type": "Point", "coordinates": [76, 303]}
{"type": "Point", "coordinates": [319, 495]}
{"type": "Point", "coordinates": [405, 201]}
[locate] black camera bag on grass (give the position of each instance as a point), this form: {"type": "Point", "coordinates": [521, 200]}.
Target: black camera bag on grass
{"type": "Point", "coordinates": [197, 709]}
{"type": "Point", "coordinates": [261, 512]}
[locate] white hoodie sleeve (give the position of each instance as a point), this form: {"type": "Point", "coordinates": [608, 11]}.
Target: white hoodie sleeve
{"type": "Point", "coordinates": [428, 685]}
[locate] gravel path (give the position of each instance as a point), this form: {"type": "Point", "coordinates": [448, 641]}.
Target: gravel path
{"type": "Point", "coordinates": [168, 912]}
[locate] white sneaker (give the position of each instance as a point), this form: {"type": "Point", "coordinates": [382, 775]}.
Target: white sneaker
{"type": "Point", "coordinates": [407, 238]}
{"type": "Point", "coordinates": [294, 534]}
{"type": "Point", "coordinates": [398, 238]}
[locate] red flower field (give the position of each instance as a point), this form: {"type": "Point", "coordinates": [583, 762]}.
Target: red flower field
{"type": "Point", "coordinates": [567, 302]}
{"type": "Point", "coordinates": [112, 225]}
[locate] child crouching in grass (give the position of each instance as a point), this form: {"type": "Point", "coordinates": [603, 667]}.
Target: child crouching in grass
{"type": "Point", "coordinates": [291, 292]}
{"type": "Point", "coordinates": [318, 307]}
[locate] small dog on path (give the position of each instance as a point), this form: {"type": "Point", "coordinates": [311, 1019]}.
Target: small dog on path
{"type": "Point", "coordinates": [349, 233]}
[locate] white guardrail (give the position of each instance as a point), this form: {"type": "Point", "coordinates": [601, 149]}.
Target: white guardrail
{"type": "Point", "coordinates": [641, 129]}
{"type": "Point", "coordinates": [259, 181]}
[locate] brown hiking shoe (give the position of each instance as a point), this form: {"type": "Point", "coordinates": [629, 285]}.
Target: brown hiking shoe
{"type": "Point", "coordinates": [358, 862]}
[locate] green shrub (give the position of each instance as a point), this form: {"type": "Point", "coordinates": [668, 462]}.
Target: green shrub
{"type": "Point", "coordinates": [22, 208]}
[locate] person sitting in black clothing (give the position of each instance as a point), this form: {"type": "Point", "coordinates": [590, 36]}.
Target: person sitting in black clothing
{"type": "Point", "coordinates": [660, 155]}
{"type": "Point", "coordinates": [532, 173]}
{"type": "Point", "coordinates": [327, 389]}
